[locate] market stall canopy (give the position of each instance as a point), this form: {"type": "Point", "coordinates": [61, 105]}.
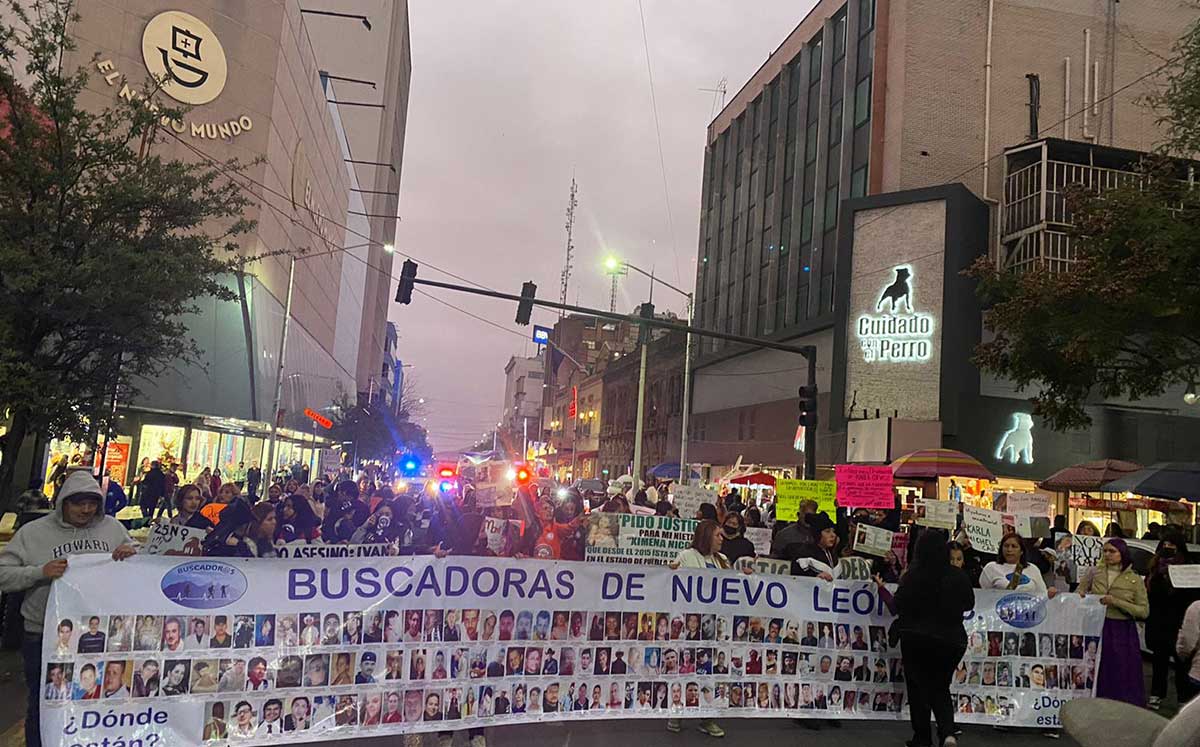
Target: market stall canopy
{"type": "Point", "coordinates": [1089, 475]}
{"type": "Point", "coordinates": [1163, 480]}
{"type": "Point", "coordinates": [670, 471]}
{"type": "Point", "coordinates": [929, 463]}
{"type": "Point", "coordinates": [754, 478]}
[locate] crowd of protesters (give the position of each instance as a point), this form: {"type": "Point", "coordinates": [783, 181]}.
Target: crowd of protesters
{"type": "Point", "coordinates": [239, 519]}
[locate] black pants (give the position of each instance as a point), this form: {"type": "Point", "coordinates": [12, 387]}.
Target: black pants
{"type": "Point", "coordinates": [928, 667]}
{"type": "Point", "coordinates": [31, 652]}
{"type": "Point", "coordinates": [1163, 664]}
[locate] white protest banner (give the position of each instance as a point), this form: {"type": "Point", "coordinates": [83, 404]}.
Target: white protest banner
{"type": "Point", "coordinates": [630, 538]}
{"type": "Point", "coordinates": [938, 514]}
{"type": "Point", "coordinates": [172, 539]}
{"type": "Point", "coordinates": [983, 528]}
{"type": "Point", "coordinates": [872, 540]}
{"type": "Point", "coordinates": [1028, 504]}
{"type": "Point", "coordinates": [687, 499]}
{"type": "Point", "coordinates": [331, 461]}
{"type": "Point", "coordinates": [769, 566]}
{"type": "Point", "coordinates": [1184, 576]}
{"type": "Point", "coordinates": [760, 537]}
{"type": "Point", "coordinates": [319, 550]}
{"type": "Point", "coordinates": [259, 651]}
{"type": "Point", "coordinates": [502, 534]}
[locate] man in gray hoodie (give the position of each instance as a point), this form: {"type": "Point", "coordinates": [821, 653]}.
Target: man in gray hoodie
{"type": "Point", "coordinates": [38, 554]}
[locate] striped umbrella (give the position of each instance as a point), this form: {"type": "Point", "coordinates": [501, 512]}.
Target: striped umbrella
{"type": "Point", "coordinates": [1089, 475]}
{"type": "Point", "coordinates": [928, 463]}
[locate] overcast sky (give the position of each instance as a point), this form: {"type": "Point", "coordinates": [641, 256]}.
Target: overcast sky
{"type": "Point", "coordinates": [509, 99]}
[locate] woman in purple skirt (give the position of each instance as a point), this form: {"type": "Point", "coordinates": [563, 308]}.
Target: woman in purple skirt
{"type": "Point", "coordinates": [1123, 593]}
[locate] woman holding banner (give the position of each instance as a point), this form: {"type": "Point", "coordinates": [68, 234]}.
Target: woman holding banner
{"type": "Point", "coordinates": [187, 504]}
{"type": "Point", "coordinates": [931, 600]}
{"type": "Point", "coordinates": [704, 552]}
{"type": "Point", "coordinates": [1122, 591]}
{"type": "Point", "coordinates": [1011, 571]}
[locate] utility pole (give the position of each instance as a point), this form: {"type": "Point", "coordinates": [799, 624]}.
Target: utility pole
{"type": "Point", "coordinates": [684, 470]}
{"type": "Point", "coordinates": [287, 318]}
{"type": "Point", "coordinates": [647, 312]}
{"type": "Point", "coordinates": [566, 273]}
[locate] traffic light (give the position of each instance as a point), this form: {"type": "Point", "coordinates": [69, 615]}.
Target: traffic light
{"type": "Point", "coordinates": [408, 273]}
{"type": "Point", "coordinates": [525, 305]}
{"type": "Point", "coordinates": [808, 406]}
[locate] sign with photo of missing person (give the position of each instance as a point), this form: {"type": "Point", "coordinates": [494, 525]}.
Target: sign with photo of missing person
{"type": "Point", "coordinates": [171, 651]}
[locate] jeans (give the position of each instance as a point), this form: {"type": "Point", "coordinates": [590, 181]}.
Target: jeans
{"type": "Point", "coordinates": [31, 652]}
{"type": "Point", "coordinates": [928, 667]}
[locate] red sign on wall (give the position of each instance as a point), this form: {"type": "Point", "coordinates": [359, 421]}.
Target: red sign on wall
{"type": "Point", "coordinates": [574, 408]}
{"type": "Point", "coordinates": [318, 418]}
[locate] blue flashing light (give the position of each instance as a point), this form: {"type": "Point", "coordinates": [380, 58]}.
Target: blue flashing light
{"type": "Point", "coordinates": [410, 465]}
{"type": "Point", "coordinates": [446, 486]}
{"type": "Point", "coordinates": [806, 268]}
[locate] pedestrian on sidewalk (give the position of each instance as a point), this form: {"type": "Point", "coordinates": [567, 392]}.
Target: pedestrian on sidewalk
{"type": "Point", "coordinates": [153, 487]}
{"type": "Point", "coordinates": [39, 553]}
{"type": "Point", "coordinates": [1122, 591]}
{"type": "Point", "coordinates": [931, 600]}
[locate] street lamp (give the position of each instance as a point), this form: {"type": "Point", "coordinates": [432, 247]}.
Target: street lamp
{"type": "Point", "coordinates": [620, 267]}
{"type": "Point", "coordinates": [390, 248]}
{"type": "Point", "coordinates": [1190, 397]}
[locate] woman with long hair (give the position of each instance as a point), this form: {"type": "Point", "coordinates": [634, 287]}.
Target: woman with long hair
{"type": "Point", "coordinates": [296, 520]}
{"type": "Point", "coordinates": [380, 528]}
{"type": "Point", "coordinates": [187, 505]}
{"type": "Point", "coordinates": [228, 540]}
{"type": "Point", "coordinates": [1010, 570]}
{"type": "Point", "coordinates": [1123, 593]}
{"type": "Point", "coordinates": [261, 534]}
{"type": "Point", "coordinates": [930, 602]}
{"type": "Point", "coordinates": [225, 495]}
{"type": "Point", "coordinates": [704, 552]}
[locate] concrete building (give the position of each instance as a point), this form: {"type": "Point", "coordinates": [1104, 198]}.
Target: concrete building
{"type": "Point", "coordinates": [866, 98]}
{"type": "Point", "coordinates": [663, 416]}
{"type": "Point", "coordinates": [391, 380]}
{"type": "Point", "coordinates": [322, 101]}
{"type": "Point", "coordinates": [573, 444]}
{"type": "Point", "coordinates": [521, 419]}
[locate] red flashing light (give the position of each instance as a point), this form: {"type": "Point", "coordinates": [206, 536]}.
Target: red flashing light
{"type": "Point", "coordinates": [446, 471]}
{"type": "Point", "coordinates": [523, 476]}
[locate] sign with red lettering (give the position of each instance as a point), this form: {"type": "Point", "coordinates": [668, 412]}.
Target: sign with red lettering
{"type": "Point", "coordinates": [318, 418]}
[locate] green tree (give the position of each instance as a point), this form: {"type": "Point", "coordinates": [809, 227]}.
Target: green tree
{"type": "Point", "coordinates": [104, 243]}
{"type": "Point", "coordinates": [1124, 320]}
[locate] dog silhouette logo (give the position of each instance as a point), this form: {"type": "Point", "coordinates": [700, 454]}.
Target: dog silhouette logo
{"type": "Point", "coordinates": [898, 291]}
{"type": "Point", "coordinates": [1017, 441]}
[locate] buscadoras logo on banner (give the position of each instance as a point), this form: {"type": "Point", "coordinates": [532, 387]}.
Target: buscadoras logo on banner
{"type": "Point", "coordinates": [894, 332]}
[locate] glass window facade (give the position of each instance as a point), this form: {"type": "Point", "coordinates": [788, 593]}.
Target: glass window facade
{"type": "Point", "coordinates": [775, 177]}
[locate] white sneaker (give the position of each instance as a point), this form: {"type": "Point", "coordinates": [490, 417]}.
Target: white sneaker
{"type": "Point", "coordinates": [950, 741]}
{"type": "Point", "coordinates": [1154, 702]}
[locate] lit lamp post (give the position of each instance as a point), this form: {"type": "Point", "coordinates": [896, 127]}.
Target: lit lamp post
{"type": "Point", "coordinates": [617, 267]}
{"type": "Point", "coordinates": [287, 318]}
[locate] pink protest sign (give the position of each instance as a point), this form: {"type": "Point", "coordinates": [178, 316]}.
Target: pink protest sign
{"type": "Point", "coordinates": [863, 486]}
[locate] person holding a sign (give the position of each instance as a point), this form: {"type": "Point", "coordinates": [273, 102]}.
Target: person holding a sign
{"type": "Point", "coordinates": [39, 553]}
{"type": "Point", "coordinates": [1122, 591]}
{"type": "Point", "coordinates": [1011, 571]}
{"type": "Point", "coordinates": [704, 552]}
{"type": "Point", "coordinates": [817, 559]}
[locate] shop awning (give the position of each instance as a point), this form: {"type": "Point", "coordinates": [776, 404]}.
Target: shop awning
{"type": "Point", "coordinates": [1163, 480]}
{"type": "Point", "coordinates": [930, 463]}
{"type": "Point", "coordinates": [754, 478]}
{"type": "Point", "coordinates": [1089, 475]}
{"type": "Point", "coordinates": [670, 471]}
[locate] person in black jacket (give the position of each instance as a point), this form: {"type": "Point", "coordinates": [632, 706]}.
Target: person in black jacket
{"type": "Point", "coordinates": [153, 490]}
{"type": "Point", "coordinates": [930, 602]}
{"type": "Point", "coordinates": [736, 545]}
{"type": "Point", "coordinates": [819, 558]}
{"type": "Point", "coordinates": [1167, 607]}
